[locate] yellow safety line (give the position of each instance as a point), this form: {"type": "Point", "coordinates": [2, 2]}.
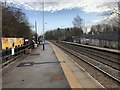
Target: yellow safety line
{"type": "Point", "coordinates": [68, 73]}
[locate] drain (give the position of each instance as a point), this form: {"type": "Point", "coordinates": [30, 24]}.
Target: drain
{"type": "Point", "coordinates": [25, 64]}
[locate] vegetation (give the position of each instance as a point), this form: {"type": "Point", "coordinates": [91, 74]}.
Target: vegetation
{"type": "Point", "coordinates": [14, 23]}
{"type": "Point", "coordinates": [77, 22]}
{"type": "Point", "coordinates": [66, 33]}
{"type": "Point", "coordinates": [105, 33]}
{"type": "Point", "coordinates": [113, 26]}
{"type": "Point", "coordinates": [96, 29]}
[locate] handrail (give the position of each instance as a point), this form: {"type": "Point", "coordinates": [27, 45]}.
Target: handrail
{"type": "Point", "coordinates": [7, 56]}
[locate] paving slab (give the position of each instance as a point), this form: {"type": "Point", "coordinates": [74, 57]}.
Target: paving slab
{"type": "Point", "coordinates": [82, 78]}
{"type": "Point", "coordinates": [51, 68]}
{"type": "Point", "coordinates": [43, 75]}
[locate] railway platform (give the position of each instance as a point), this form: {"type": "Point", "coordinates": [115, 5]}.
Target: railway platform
{"type": "Point", "coordinates": [51, 68]}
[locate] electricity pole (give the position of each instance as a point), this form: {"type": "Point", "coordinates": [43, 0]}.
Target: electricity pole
{"type": "Point", "coordinates": [119, 13]}
{"type": "Point", "coordinates": [36, 32]}
{"type": "Point", "coordinates": [5, 3]}
{"type": "Point", "coordinates": [118, 24]}
{"type": "Point", "coordinates": [43, 42]}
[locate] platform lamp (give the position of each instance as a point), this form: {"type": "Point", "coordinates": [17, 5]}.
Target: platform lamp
{"type": "Point", "coordinates": [43, 41]}
{"type": "Point", "coordinates": [36, 37]}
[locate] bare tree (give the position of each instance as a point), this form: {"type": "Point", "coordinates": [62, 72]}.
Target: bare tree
{"type": "Point", "coordinates": [77, 22]}
{"type": "Point", "coordinates": [114, 12]}
{"type": "Point", "coordinates": [14, 23]}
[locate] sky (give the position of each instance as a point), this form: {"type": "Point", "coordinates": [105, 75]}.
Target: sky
{"type": "Point", "coordinates": [60, 13]}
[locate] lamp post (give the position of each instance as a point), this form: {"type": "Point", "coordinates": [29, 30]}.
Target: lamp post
{"type": "Point", "coordinates": [36, 38]}
{"type": "Point", "coordinates": [43, 41]}
{"type": "Point", "coordinates": [63, 31]}
{"type": "Point", "coordinates": [84, 27]}
{"type": "Point", "coordinates": [5, 3]}
{"type": "Point", "coordinates": [119, 14]}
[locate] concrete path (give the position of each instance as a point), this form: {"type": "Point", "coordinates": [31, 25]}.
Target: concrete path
{"type": "Point", "coordinates": [51, 68]}
{"type": "Point", "coordinates": [42, 70]}
{"type": "Point", "coordinates": [75, 74]}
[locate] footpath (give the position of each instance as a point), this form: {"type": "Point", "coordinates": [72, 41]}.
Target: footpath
{"type": "Point", "coordinates": [51, 68]}
{"type": "Point", "coordinates": [40, 69]}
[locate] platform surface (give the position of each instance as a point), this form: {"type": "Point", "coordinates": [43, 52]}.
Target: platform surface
{"type": "Point", "coordinates": [51, 68]}
{"type": "Point", "coordinates": [45, 73]}
{"type": "Point", "coordinates": [82, 79]}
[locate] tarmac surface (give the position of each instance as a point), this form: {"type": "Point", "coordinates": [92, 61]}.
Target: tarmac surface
{"type": "Point", "coordinates": [75, 74]}
{"type": "Point", "coordinates": [40, 69]}
{"type": "Point", "coordinates": [51, 68]}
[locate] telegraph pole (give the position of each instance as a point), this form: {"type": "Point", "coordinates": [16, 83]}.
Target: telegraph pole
{"type": "Point", "coordinates": [5, 3]}
{"type": "Point", "coordinates": [43, 42]}
{"type": "Point", "coordinates": [119, 13]}
{"type": "Point", "coordinates": [36, 32]}
{"type": "Point", "coordinates": [118, 24]}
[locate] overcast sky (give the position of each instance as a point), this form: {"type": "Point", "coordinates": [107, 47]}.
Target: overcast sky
{"type": "Point", "coordinates": [60, 13]}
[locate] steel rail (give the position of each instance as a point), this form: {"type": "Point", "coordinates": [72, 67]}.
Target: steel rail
{"type": "Point", "coordinates": [76, 55]}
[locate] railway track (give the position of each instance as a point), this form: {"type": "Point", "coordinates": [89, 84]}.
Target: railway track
{"type": "Point", "coordinates": [109, 59]}
{"type": "Point", "coordinates": [101, 57]}
{"type": "Point", "coordinates": [102, 62]}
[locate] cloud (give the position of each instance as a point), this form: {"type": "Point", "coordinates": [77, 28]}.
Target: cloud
{"type": "Point", "coordinates": [88, 6]}
{"type": "Point", "coordinates": [112, 19]}
{"type": "Point", "coordinates": [56, 5]}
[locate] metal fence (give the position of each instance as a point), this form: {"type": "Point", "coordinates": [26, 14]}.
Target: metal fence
{"type": "Point", "coordinates": [7, 56]}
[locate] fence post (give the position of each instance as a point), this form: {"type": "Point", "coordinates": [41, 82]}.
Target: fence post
{"type": "Point", "coordinates": [24, 48]}
{"type": "Point", "coordinates": [18, 48]}
{"type": "Point", "coordinates": [6, 53]}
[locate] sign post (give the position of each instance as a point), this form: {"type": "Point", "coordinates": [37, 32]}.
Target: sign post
{"type": "Point", "coordinates": [13, 51]}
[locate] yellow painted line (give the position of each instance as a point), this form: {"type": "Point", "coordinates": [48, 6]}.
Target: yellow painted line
{"type": "Point", "coordinates": [68, 73]}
